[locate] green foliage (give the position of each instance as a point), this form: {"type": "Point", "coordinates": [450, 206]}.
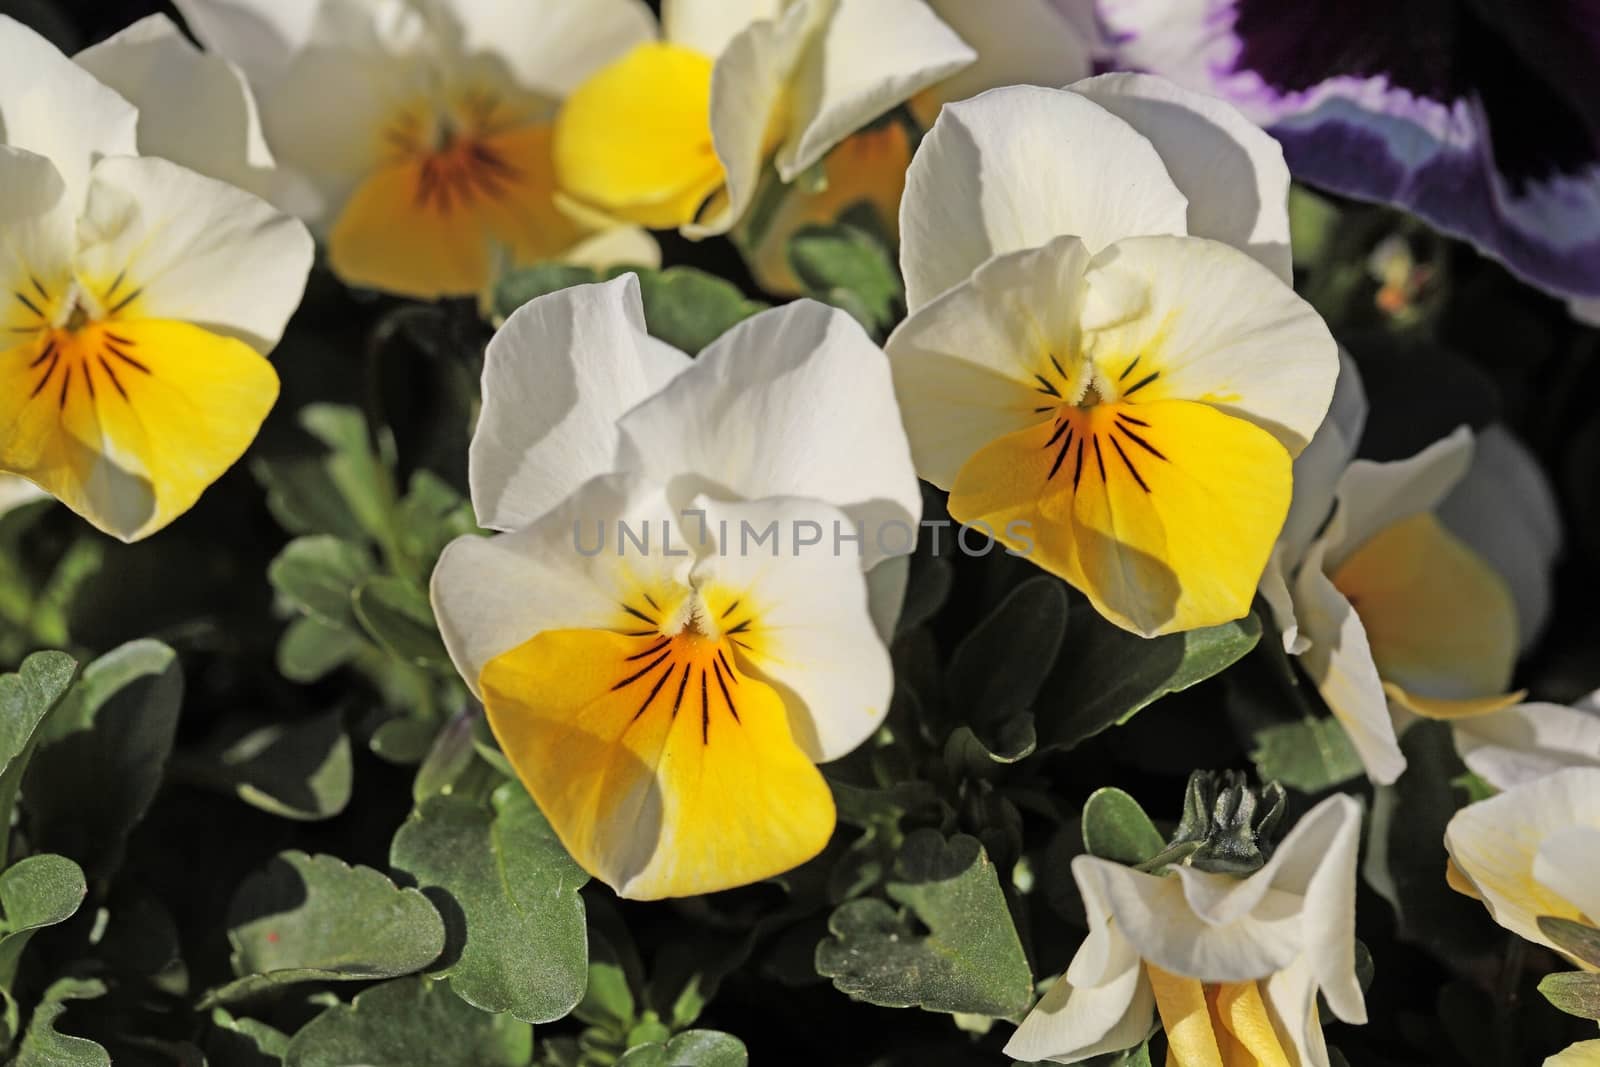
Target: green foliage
{"type": "Point", "coordinates": [692, 1048]}
{"type": "Point", "coordinates": [39, 891]}
{"type": "Point", "coordinates": [411, 1021]}
{"type": "Point", "coordinates": [1310, 755]}
{"type": "Point", "coordinates": [45, 1046]}
{"type": "Point", "coordinates": [1576, 993]}
{"type": "Point", "coordinates": [1578, 940]}
{"type": "Point", "coordinates": [300, 770]}
{"type": "Point", "coordinates": [1116, 828]}
{"type": "Point", "coordinates": [850, 267]}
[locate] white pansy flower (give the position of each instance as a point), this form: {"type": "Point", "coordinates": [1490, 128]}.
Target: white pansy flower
{"type": "Point", "coordinates": [676, 133]}
{"type": "Point", "coordinates": [434, 163]}
{"type": "Point", "coordinates": [15, 492]}
{"type": "Point", "coordinates": [139, 302]}
{"type": "Point", "coordinates": [1104, 364]}
{"type": "Point", "coordinates": [686, 685]}
{"type": "Point", "coordinates": [1524, 743]}
{"type": "Point", "coordinates": [1531, 852]}
{"type": "Point", "coordinates": [1231, 966]}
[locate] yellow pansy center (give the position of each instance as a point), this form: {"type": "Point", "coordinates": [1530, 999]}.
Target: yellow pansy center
{"type": "Point", "coordinates": [1216, 1024]}
{"type": "Point", "coordinates": [74, 342]}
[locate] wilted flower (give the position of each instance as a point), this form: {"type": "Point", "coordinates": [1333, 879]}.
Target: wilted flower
{"type": "Point", "coordinates": [665, 703]}
{"type": "Point", "coordinates": [1104, 363]}
{"type": "Point", "coordinates": [1483, 124]}
{"type": "Point", "coordinates": [140, 301]}
{"type": "Point", "coordinates": [676, 132]}
{"type": "Point", "coordinates": [1232, 966]}
{"type": "Point", "coordinates": [426, 127]}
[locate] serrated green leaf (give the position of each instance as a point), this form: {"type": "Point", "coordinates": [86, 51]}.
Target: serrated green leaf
{"type": "Point", "coordinates": [101, 755]}
{"type": "Point", "coordinates": [410, 1022]}
{"type": "Point", "coordinates": [316, 918]}
{"type": "Point", "coordinates": [1116, 828]}
{"type": "Point", "coordinates": [45, 1046]}
{"type": "Point", "coordinates": [311, 649]}
{"type": "Point", "coordinates": [688, 308]}
{"type": "Point", "coordinates": [397, 615]}
{"type": "Point", "coordinates": [319, 575]}
{"type": "Point", "coordinates": [692, 1048]}
{"type": "Point", "coordinates": [1311, 755]}
{"type": "Point", "coordinates": [299, 770]}
{"type": "Point", "coordinates": [969, 961]}
{"type": "Point", "coordinates": [1576, 993]}
{"type": "Point", "coordinates": [26, 698]}
{"type": "Point", "coordinates": [517, 940]}
{"type": "Point", "coordinates": [36, 892]}
{"type": "Point", "coordinates": [431, 515]}
{"type": "Point", "coordinates": [1112, 674]}
{"type": "Point", "coordinates": [528, 283]}
{"type": "Point", "coordinates": [1578, 940]}
{"type": "Point", "coordinates": [830, 259]}
{"type": "Point", "coordinates": [361, 475]}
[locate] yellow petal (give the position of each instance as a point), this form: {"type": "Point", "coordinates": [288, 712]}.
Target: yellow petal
{"type": "Point", "coordinates": [868, 167]}
{"type": "Point", "coordinates": [1163, 514]}
{"type": "Point", "coordinates": [437, 224]}
{"type": "Point", "coordinates": [1186, 1017]}
{"type": "Point", "coordinates": [635, 139]}
{"type": "Point", "coordinates": [1448, 710]}
{"type": "Point", "coordinates": [1441, 623]}
{"type": "Point", "coordinates": [664, 769]}
{"type": "Point", "coordinates": [1458, 881]}
{"type": "Point", "coordinates": [1243, 1015]}
{"type": "Point", "coordinates": [127, 423]}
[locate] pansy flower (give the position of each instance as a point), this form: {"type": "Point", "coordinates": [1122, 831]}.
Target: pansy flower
{"type": "Point", "coordinates": [426, 127]}
{"type": "Point", "coordinates": [1232, 967]}
{"type": "Point", "coordinates": [139, 301]}
{"type": "Point", "coordinates": [676, 627]}
{"type": "Point", "coordinates": [1104, 363]}
{"type": "Point", "coordinates": [1482, 119]}
{"type": "Point", "coordinates": [676, 132]}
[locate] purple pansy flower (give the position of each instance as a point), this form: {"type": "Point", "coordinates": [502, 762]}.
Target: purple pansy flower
{"type": "Point", "coordinates": [1480, 116]}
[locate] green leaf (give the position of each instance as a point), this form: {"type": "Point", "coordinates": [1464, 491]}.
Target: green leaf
{"type": "Point", "coordinates": [692, 1048]}
{"type": "Point", "coordinates": [26, 697]}
{"type": "Point", "coordinates": [688, 308]}
{"type": "Point", "coordinates": [243, 1042]}
{"type": "Point", "coordinates": [410, 1022]}
{"type": "Point", "coordinates": [404, 740]}
{"type": "Point", "coordinates": [299, 770]}
{"type": "Point", "coordinates": [36, 892]}
{"type": "Point", "coordinates": [1113, 674]}
{"type": "Point", "coordinates": [315, 918]}
{"type": "Point", "coordinates": [319, 576]}
{"type": "Point", "coordinates": [844, 259]}
{"type": "Point", "coordinates": [102, 755]}
{"type": "Point", "coordinates": [45, 1046]}
{"type": "Point", "coordinates": [399, 618]}
{"type": "Point", "coordinates": [361, 475]}
{"type": "Point", "coordinates": [518, 287]}
{"type": "Point", "coordinates": [970, 960]}
{"type": "Point", "coordinates": [311, 649]}
{"type": "Point", "coordinates": [431, 515]}
{"type": "Point", "coordinates": [510, 893]}
{"type": "Point", "coordinates": [1116, 828]}
{"type": "Point", "coordinates": [1311, 755]}
{"type": "Point", "coordinates": [1576, 993]}
{"type": "Point", "coordinates": [1580, 941]}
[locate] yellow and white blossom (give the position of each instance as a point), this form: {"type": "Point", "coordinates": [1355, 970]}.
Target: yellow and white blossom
{"type": "Point", "coordinates": [425, 126]}
{"type": "Point", "coordinates": [1532, 852]}
{"type": "Point", "coordinates": [139, 297]}
{"type": "Point", "coordinates": [666, 704]}
{"type": "Point", "coordinates": [676, 132]}
{"type": "Point", "coordinates": [1103, 350]}
{"type": "Point", "coordinates": [1525, 742]}
{"type": "Point", "coordinates": [1231, 966]}
{"type": "Point", "coordinates": [15, 492]}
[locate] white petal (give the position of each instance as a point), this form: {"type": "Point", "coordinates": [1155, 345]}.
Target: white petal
{"type": "Point", "coordinates": [54, 108]}
{"type": "Point", "coordinates": [708, 26]}
{"type": "Point", "coordinates": [1494, 844]}
{"type": "Point", "coordinates": [1505, 510]}
{"type": "Point", "coordinates": [1318, 469]}
{"type": "Point", "coordinates": [1231, 170]}
{"type": "Point", "coordinates": [261, 36]}
{"type": "Point", "coordinates": [556, 378]}
{"type": "Point", "coordinates": [1070, 1024]}
{"type": "Point", "coordinates": [1520, 744]}
{"type": "Point", "coordinates": [1274, 589]}
{"type": "Point", "coordinates": [813, 638]}
{"type": "Point", "coordinates": [871, 55]}
{"type": "Point", "coordinates": [1019, 42]}
{"type": "Point", "coordinates": [1013, 168]}
{"type": "Point", "coordinates": [795, 401]}
{"type": "Point", "coordinates": [551, 46]}
{"type": "Point", "coordinates": [1372, 496]}
{"type": "Point", "coordinates": [1219, 327]}
{"type": "Point", "coordinates": [1585, 311]}
{"type": "Point", "coordinates": [620, 246]}
{"type": "Point", "coordinates": [1291, 1000]}
{"type": "Point", "coordinates": [965, 363]}
{"type": "Point", "coordinates": [748, 86]}
{"type": "Point", "coordinates": [195, 109]}
{"type": "Point", "coordinates": [1339, 661]}
{"type": "Point", "coordinates": [1156, 916]}
{"type": "Point", "coordinates": [36, 237]}
{"type": "Point", "coordinates": [886, 594]}
{"type": "Point", "coordinates": [491, 594]}
{"type": "Point", "coordinates": [1565, 864]}
{"type": "Point", "coordinates": [197, 250]}
{"type": "Point", "coordinates": [1581, 1054]}
{"type": "Point", "coordinates": [15, 492]}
